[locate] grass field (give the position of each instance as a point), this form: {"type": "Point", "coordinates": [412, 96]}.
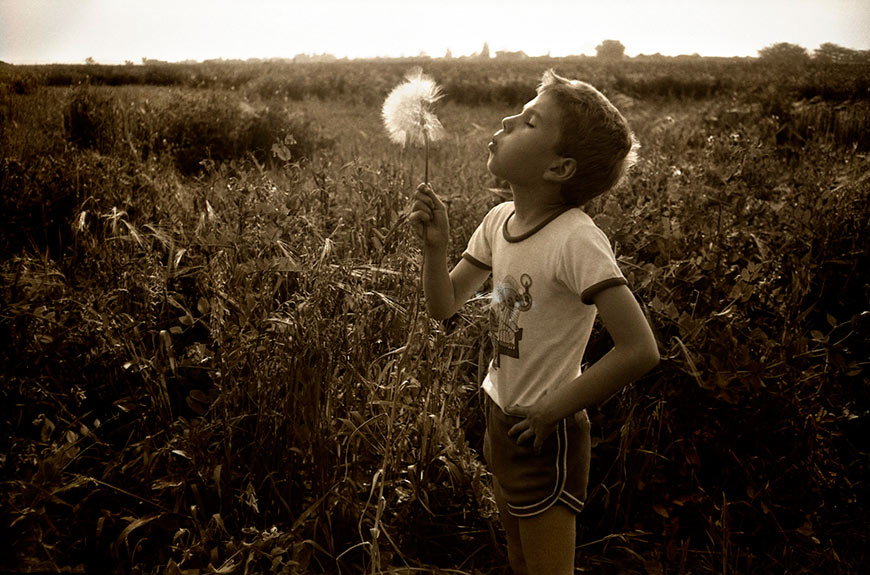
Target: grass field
{"type": "Point", "coordinates": [215, 359]}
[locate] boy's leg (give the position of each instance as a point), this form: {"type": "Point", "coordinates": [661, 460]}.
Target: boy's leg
{"type": "Point", "coordinates": [512, 531]}
{"type": "Point", "coordinates": [548, 541]}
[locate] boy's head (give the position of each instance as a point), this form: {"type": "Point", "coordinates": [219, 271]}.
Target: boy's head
{"type": "Point", "coordinates": [592, 132]}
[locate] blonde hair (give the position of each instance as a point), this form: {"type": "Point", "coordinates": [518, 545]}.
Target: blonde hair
{"type": "Point", "coordinates": [594, 133]}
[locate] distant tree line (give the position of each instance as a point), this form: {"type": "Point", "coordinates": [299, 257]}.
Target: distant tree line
{"type": "Point", "coordinates": [786, 53]}
{"type": "Point", "coordinates": [783, 53]}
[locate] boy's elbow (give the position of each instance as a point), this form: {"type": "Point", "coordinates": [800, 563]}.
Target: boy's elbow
{"type": "Point", "coordinates": [441, 308]}
{"type": "Point", "coordinates": [651, 357]}
{"type": "Point", "coordinates": [440, 316]}
{"type": "Point", "coordinates": [439, 313]}
{"type": "Point", "coordinates": [643, 356]}
{"type": "Point", "coordinates": [655, 360]}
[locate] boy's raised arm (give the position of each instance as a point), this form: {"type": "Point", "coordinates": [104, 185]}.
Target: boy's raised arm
{"type": "Point", "coordinates": [445, 291]}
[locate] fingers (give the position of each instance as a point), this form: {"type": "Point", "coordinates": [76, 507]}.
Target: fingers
{"type": "Point", "coordinates": [421, 212]}
{"type": "Point", "coordinates": [517, 411]}
{"type": "Point", "coordinates": [420, 216]}
{"type": "Point", "coordinates": [424, 187]}
{"type": "Point", "coordinates": [427, 194]}
{"type": "Point", "coordinates": [518, 428]}
{"type": "Point", "coordinates": [527, 434]}
{"type": "Point", "coordinates": [424, 206]}
{"type": "Point", "coordinates": [523, 432]}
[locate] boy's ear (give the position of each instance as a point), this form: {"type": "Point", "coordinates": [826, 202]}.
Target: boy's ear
{"type": "Point", "coordinates": [561, 170]}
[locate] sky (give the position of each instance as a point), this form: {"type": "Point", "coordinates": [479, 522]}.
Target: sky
{"type": "Point", "coordinates": [116, 31]}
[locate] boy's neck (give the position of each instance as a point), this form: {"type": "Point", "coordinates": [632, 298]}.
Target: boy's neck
{"type": "Point", "coordinates": [532, 206]}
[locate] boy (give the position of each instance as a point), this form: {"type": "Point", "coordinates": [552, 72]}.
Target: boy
{"type": "Point", "coordinates": [551, 269]}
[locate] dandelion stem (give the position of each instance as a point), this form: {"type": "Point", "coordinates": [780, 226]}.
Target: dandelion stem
{"type": "Point", "coordinates": [425, 229]}
{"type": "Point", "coordinates": [420, 293]}
{"type": "Point", "coordinates": [426, 166]}
{"type": "Point", "coordinates": [425, 181]}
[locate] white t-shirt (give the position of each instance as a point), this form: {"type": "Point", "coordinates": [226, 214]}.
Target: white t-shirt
{"type": "Point", "coordinates": [541, 310]}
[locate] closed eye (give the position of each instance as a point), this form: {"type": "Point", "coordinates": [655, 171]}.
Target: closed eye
{"type": "Point", "coordinates": [528, 116]}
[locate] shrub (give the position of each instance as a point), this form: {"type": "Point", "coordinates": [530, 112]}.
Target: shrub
{"type": "Point", "coordinates": [735, 265]}
{"type": "Point", "coordinates": [40, 196]}
{"type": "Point", "coordinates": [91, 119]}
{"type": "Point", "coordinates": [189, 127]}
{"type": "Point", "coordinates": [220, 128]}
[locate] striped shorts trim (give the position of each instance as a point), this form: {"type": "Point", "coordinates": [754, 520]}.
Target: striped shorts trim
{"type": "Point", "coordinates": [533, 482]}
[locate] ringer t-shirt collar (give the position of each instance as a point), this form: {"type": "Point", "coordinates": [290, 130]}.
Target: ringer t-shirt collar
{"type": "Point", "coordinates": [534, 230]}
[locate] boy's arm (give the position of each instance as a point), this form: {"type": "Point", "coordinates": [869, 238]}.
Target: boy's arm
{"type": "Point", "coordinates": [445, 291]}
{"type": "Point", "coordinates": [634, 353]}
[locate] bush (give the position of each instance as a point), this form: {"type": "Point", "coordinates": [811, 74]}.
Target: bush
{"type": "Point", "coordinates": [91, 119]}
{"type": "Point", "coordinates": [40, 196]}
{"type": "Point", "coordinates": [221, 130]}
{"type": "Point", "coordinates": [762, 349]}
{"type": "Point", "coordinates": [189, 127]}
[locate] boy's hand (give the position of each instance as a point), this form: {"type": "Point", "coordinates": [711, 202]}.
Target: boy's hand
{"type": "Point", "coordinates": [429, 217]}
{"type": "Point", "coordinates": [536, 426]}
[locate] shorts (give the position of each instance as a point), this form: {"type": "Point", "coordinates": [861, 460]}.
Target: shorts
{"type": "Point", "coordinates": [533, 482]}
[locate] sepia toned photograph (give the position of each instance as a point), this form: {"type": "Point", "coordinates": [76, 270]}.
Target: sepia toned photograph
{"type": "Point", "coordinates": [393, 287]}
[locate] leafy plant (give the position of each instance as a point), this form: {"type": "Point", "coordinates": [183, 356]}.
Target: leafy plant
{"type": "Point", "coordinates": [214, 359]}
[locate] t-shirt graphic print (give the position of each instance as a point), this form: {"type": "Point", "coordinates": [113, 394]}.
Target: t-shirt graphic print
{"type": "Point", "coordinates": [509, 299]}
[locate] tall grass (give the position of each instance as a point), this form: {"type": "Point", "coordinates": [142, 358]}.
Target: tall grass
{"type": "Point", "coordinates": [215, 356]}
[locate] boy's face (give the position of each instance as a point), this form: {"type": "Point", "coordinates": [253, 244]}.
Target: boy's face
{"type": "Point", "coordinates": [523, 150]}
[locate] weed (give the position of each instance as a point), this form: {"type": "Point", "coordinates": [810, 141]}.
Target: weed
{"type": "Point", "coordinates": [214, 356]}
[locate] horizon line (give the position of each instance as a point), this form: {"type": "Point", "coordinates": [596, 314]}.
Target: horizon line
{"type": "Point", "coordinates": [422, 55]}
{"type": "Point", "coordinates": [326, 57]}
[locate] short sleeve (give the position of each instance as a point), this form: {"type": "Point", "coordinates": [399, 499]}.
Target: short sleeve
{"type": "Point", "coordinates": [587, 264]}
{"type": "Point", "coordinates": [479, 250]}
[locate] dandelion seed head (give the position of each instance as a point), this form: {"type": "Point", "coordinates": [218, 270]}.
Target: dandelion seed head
{"type": "Point", "coordinates": [407, 111]}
